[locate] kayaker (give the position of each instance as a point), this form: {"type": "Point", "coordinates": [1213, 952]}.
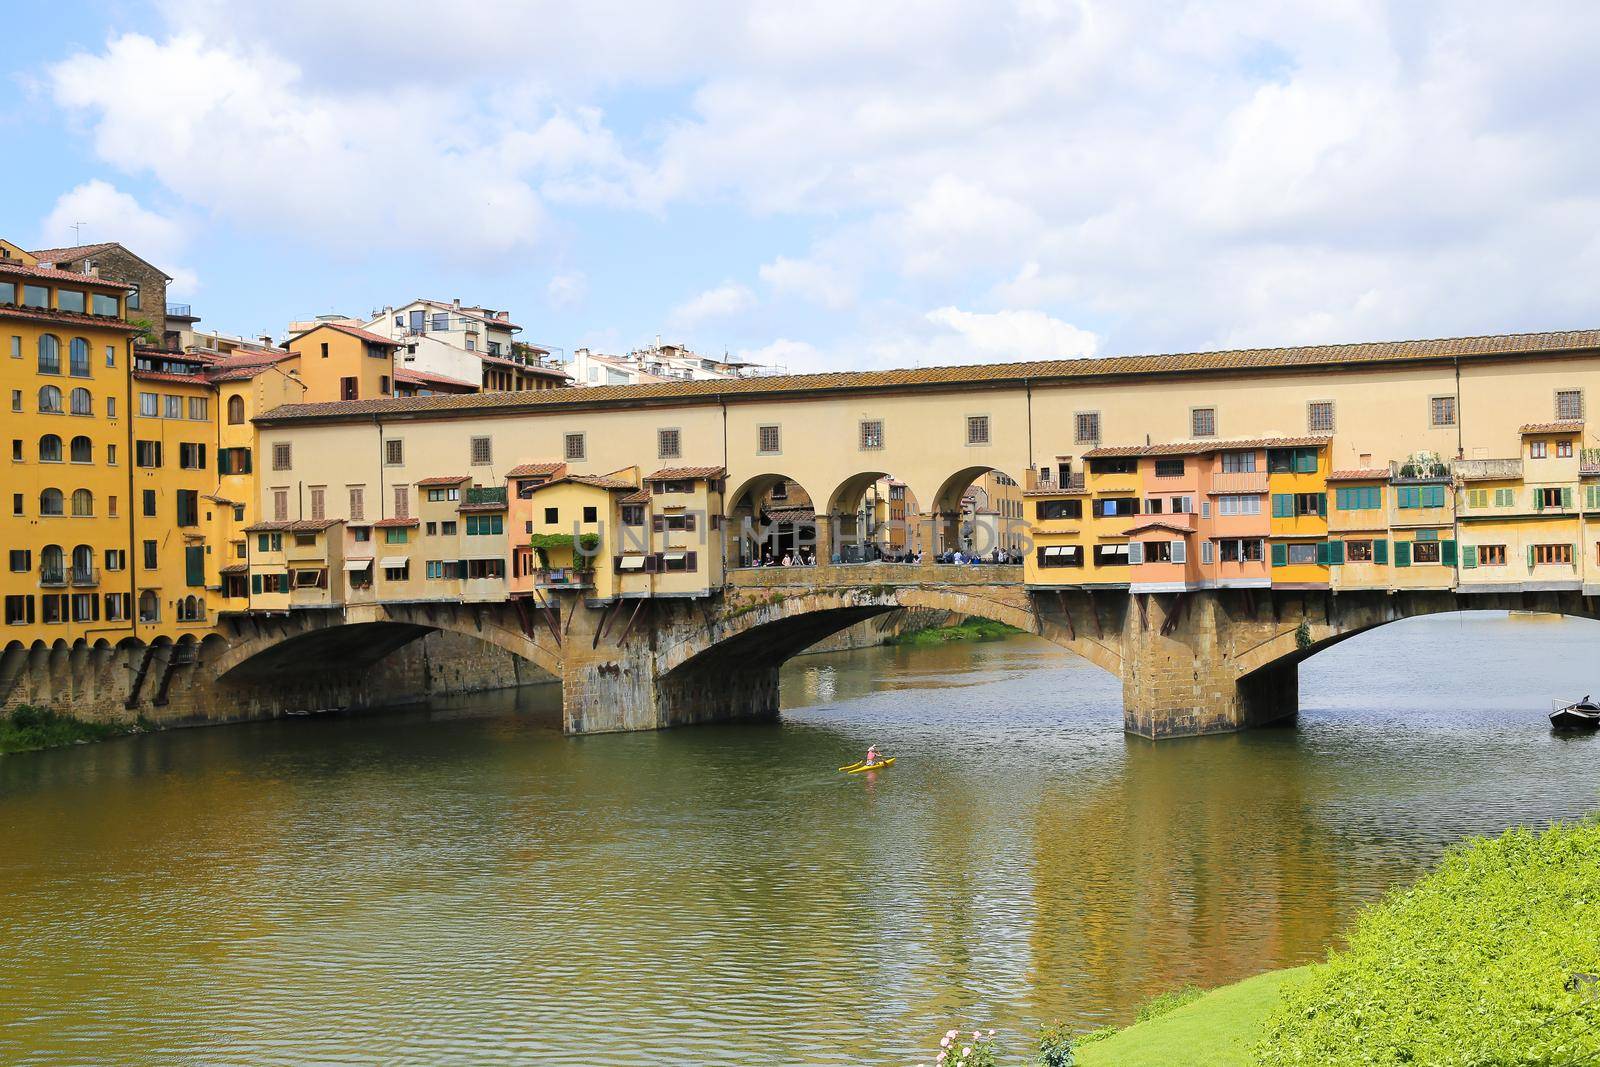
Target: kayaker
{"type": "Point", "coordinates": [873, 756]}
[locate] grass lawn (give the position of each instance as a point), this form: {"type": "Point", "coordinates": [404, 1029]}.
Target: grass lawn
{"type": "Point", "coordinates": [1217, 1030]}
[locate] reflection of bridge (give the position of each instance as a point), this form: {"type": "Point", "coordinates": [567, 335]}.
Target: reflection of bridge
{"type": "Point", "coordinates": [1190, 663]}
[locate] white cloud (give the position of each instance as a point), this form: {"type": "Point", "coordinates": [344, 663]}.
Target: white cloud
{"type": "Point", "coordinates": [107, 214]}
{"type": "Point", "coordinates": [797, 357]}
{"type": "Point", "coordinates": [810, 279]}
{"type": "Point", "coordinates": [567, 290]}
{"type": "Point", "coordinates": [1016, 335]}
{"type": "Point", "coordinates": [722, 302]}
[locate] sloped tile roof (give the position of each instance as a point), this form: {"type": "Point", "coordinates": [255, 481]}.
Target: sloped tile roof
{"type": "Point", "coordinates": [1197, 448]}
{"type": "Point", "coordinates": [445, 479]}
{"type": "Point", "coordinates": [1159, 524]}
{"type": "Point", "coordinates": [529, 470]}
{"type": "Point", "coordinates": [197, 378]}
{"type": "Point", "coordinates": [1360, 474]}
{"type": "Point", "coordinates": [640, 497]}
{"type": "Point", "coordinates": [67, 318]}
{"type": "Point", "coordinates": [395, 524]}
{"type": "Point", "coordinates": [1040, 372]}
{"type": "Point", "coordinates": [792, 515]}
{"type": "Point", "coordinates": [11, 266]}
{"type": "Point", "coordinates": [487, 505]}
{"type": "Point", "coordinates": [70, 253]}
{"type": "Point", "coordinates": [422, 377]}
{"type": "Point", "coordinates": [672, 474]}
{"type": "Point", "coordinates": [354, 331]}
{"type": "Point", "coordinates": [1565, 426]}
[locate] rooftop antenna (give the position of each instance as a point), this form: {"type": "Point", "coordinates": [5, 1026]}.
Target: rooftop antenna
{"type": "Point", "coordinates": [77, 232]}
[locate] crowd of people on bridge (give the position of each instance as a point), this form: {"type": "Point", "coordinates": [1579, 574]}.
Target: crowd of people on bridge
{"type": "Point", "coordinates": [806, 556]}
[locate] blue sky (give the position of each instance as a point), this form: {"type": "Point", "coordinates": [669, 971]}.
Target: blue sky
{"type": "Point", "coordinates": [826, 185]}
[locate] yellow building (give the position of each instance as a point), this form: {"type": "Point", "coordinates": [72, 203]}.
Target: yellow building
{"type": "Point", "coordinates": [1297, 484]}
{"type": "Point", "coordinates": [1521, 520]}
{"type": "Point", "coordinates": [1358, 528]}
{"type": "Point", "coordinates": [340, 362]}
{"type": "Point", "coordinates": [1112, 484]}
{"type": "Point", "coordinates": [68, 353]}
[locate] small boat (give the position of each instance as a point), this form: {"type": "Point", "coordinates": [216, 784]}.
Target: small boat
{"type": "Point", "coordinates": [1580, 715]}
{"type": "Point", "coordinates": [857, 768]}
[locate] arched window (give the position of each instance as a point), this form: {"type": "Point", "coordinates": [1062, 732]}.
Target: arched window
{"type": "Point", "coordinates": [149, 606]}
{"type": "Point", "coordinates": [51, 564]}
{"type": "Point", "coordinates": [82, 503]}
{"type": "Point", "coordinates": [83, 562]}
{"type": "Point", "coordinates": [49, 449]}
{"type": "Point", "coordinates": [51, 502]}
{"type": "Point", "coordinates": [235, 410]}
{"type": "Point", "coordinates": [191, 609]}
{"type": "Point", "coordinates": [49, 400]}
{"type": "Point", "coordinates": [82, 450]}
{"type": "Point", "coordinates": [78, 358]}
{"type": "Point", "coordinates": [82, 402]}
{"type": "Point", "coordinates": [49, 354]}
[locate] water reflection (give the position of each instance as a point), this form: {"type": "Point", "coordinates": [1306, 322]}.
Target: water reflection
{"type": "Point", "coordinates": [462, 883]}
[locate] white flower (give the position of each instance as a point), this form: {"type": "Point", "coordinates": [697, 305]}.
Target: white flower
{"type": "Point", "coordinates": [966, 1050]}
{"type": "Point", "coordinates": [991, 1033]}
{"type": "Point", "coordinates": [944, 1042]}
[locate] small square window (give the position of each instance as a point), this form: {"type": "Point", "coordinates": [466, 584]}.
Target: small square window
{"type": "Point", "coordinates": [977, 429]}
{"type": "Point", "coordinates": [480, 451]}
{"type": "Point", "coordinates": [1442, 410]}
{"type": "Point", "coordinates": [871, 433]}
{"type": "Point", "coordinates": [1086, 427]}
{"type": "Point", "coordinates": [667, 444]}
{"type": "Point", "coordinates": [575, 446]}
{"type": "Point", "coordinates": [1569, 404]}
{"type": "Point", "coordinates": [768, 440]}
{"type": "Point", "coordinates": [394, 452]}
{"type": "Point", "coordinates": [281, 456]}
{"type": "Point", "coordinates": [1203, 422]}
{"type": "Point", "coordinates": [1319, 416]}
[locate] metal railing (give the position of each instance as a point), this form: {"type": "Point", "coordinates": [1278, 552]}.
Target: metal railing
{"type": "Point", "coordinates": [179, 310]}
{"type": "Point", "coordinates": [486, 495]}
{"type": "Point", "coordinates": [53, 577]}
{"type": "Point", "coordinates": [85, 576]}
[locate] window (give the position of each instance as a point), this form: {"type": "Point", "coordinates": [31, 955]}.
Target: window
{"type": "Point", "coordinates": [871, 433]}
{"type": "Point", "coordinates": [1319, 416]}
{"type": "Point", "coordinates": [151, 560]}
{"type": "Point", "coordinates": [780, 489]}
{"type": "Point", "coordinates": [1358, 551]}
{"type": "Point", "coordinates": [431, 529]}
{"type": "Point", "coordinates": [977, 429]}
{"type": "Point", "coordinates": [1292, 460]}
{"type": "Point", "coordinates": [101, 304]}
{"type": "Point", "coordinates": [1300, 553]}
{"type": "Point", "coordinates": [482, 525]}
{"type": "Point", "coordinates": [1086, 427]}
{"type": "Point", "coordinates": [394, 452]}
{"type": "Point", "coordinates": [451, 493]}
{"type": "Point", "coordinates": [1298, 505]}
{"type": "Point", "coordinates": [1115, 506]}
{"type": "Point", "coordinates": [49, 354]}
{"type": "Point", "coordinates": [19, 610]}
{"type": "Point", "coordinates": [188, 507]}
{"type": "Point", "coordinates": [149, 606]}
{"type": "Point", "coordinates": [1538, 450]}
{"type": "Point", "coordinates": [269, 542]}
{"type": "Point", "coordinates": [233, 461]}
{"type": "Point", "coordinates": [1425, 551]}
{"type": "Point", "coordinates": [116, 559]}
{"type": "Point", "coordinates": [149, 405]}
{"type": "Point", "coordinates": [319, 496]}
{"type": "Point", "coordinates": [147, 453]}
{"type": "Point", "coordinates": [1238, 462]}
{"type": "Point", "coordinates": [1419, 496]}
{"type": "Point", "coordinates": [667, 444]}
{"type": "Point", "coordinates": [1114, 465]}
{"type": "Point", "coordinates": [81, 402]}
{"type": "Point", "coordinates": [479, 451]}
{"type": "Point", "coordinates": [1046, 510]}
{"type": "Point", "coordinates": [1569, 404]}
{"type": "Point", "coordinates": [402, 501]}
{"type": "Point", "coordinates": [1505, 498]}
{"type": "Point", "coordinates": [1249, 504]}
{"type": "Point", "coordinates": [768, 440]}
{"type": "Point", "coordinates": [1564, 449]}
{"type": "Point", "coordinates": [236, 410]}
{"type": "Point", "coordinates": [1169, 468]}
{"type": "Point", "coordinates": [486, 568]}
{"type": "Point", "coordinates": [1182, 505]}
{"type": "Point", "coordinates": [116, 607]}
{"type": "Point", "coordinates": [1477, 498]}
{"type": "Point", "coordinates": [574, 447]}
{"type": "Point", "coordinates": [1442, 410]}
{"type": "Point", "coordinates": [591, 514]}
{"type": "Point", "coordinates": [21, 560]}
{"type": "Point", "coordinates": [1553, 497]}
{"type": "Point", "coordinates": [82, 504]}
{"type": "Point", "coordinates": [1110, 555]}
{"type": "Point", "coordinates": [51, 502]}
{"type": "Point", "coordinates": [111, 355]}
{"type": "Point", "coordinates": [35, 296]}
{"type": "Point", "coordinates": [552, 516]}
{"type": "Point", "coordinates": [280, 505]}
{"type": "Point", "coordinates": [358, 502]}
{"type": "Point", "coordinates": [395, 535]}
{"type": "Point", "coordinates": [633, 514]}
{"type": "Point", "coordinates": [49, 449]}
{"type": "Point", "coordinates": [171, 406]}
{"type": "Point", "coordinates": [1203, 422]}
{"type": "Point", "coordinates": [199, 409]}
{"type": "Point", "coordinates": [49, 400]}
{"type": "Point", "coordinates": [191, 456]}
{"type": "Point", "coordinates": [448, 528]}
{"type": "Point", "coordinates": [111, 407]}
{"type": "Point", "coordinates": [147, 499]}
{"type": "Point", "coordinates": [133, 296]}
{"type": "Point", "coordinates": [1490, 555]}
{"type": "Point", "coordinates": [1358, 497]}
{"type": "Point", "coordinates": [78, 358]}
{"type": "Point", "coordinates": [1061, 556]}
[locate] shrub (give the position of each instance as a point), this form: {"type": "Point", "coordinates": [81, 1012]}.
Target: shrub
{"type": "Point", "coordinates": [957, 1049]}
{"type": "Point", "coordinates": [1055, 1046]}
{"type": "Point", "coordinates": [1485, 961]}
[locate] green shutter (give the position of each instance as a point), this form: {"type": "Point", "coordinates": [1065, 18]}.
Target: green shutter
{"type": "Point", "coordinates": [1469, 556]}
{"type": "Point", "coordinates": [1447, 553]}
{"type": "Point", "coordinates": [1336, 553]}
{"type": "Point", "coordinates": [1538, 500]}
{"type": "Point", "coordinates": [1530, 556]}
{"type": "Point", "coordinates": [255, 584]}
{"type": "Point", "coordinates": [1305, 461]}
{"type": "Point", "coordinates": [1380, 550]}
{"type": "Point", "coordinates": [1280, 555]}
{"type": "Point", "coordinates": [1566, 497]}
{"type": "Point", "coordinates": [1402, 553]}
{"type": "Point", "coordinates": [194, 565]}
{"type": "Point", "coordinates": [1324, 556]}
{"type": "Point", "coordinates": [1282, 505]}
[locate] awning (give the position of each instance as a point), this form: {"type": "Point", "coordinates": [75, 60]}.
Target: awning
{"type": "Point", "coordinates": [674, 556]}
{"type": "Point", "coordinates": [357, 564]}
{"type": "Point", "coordinates": [395, 563]}
{"type": "Point", "coordinates": [1062, 550]}
{"type": "Point", "coordinates": [632, 563]}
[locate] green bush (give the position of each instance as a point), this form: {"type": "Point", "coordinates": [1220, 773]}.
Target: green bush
{"type": "Point", "coordinates": [1055, 1046]}
{"type": "Point", "coordinates": [1480, 963]}
{"type": "Point", "coordinates": [29, 728]}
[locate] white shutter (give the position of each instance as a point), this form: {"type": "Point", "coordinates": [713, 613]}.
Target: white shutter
{"type": "Point", "coordinates": [1135, 552]}
{"type": "Point", "coordinates": [1180, 552]}
{"type": "Point", "coordinates": [1205, 509]}
{"type": "Point", "coordinates": [1208, 552]}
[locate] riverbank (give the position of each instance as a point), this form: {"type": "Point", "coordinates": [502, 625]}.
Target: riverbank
{"type": "Point", "coordinates": [29, 729]}
{"type": "Point", "coordinates": [1219, 1029]}
{"type": "Point", "coordinates": [973, 629]}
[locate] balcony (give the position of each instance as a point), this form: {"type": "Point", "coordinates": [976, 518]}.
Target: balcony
{"type": "Point", "coordinates": [85, 577]}
{"type": "Point", "coordinates": [486, 495]}
{"type": "Point", "coordinates": [563, 578]}
{"type": "Point", "coordinates": [1238, 482]}
{"type": "Point", "coordinates": [179, 311]}
{"type": "Point", "coordinates": [1488, 470]}
{"type": "Point", "coordinates": [53, 577]}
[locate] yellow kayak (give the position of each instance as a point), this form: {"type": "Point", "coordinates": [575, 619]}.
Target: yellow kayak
{"type": "Point", "coordinates": [857, 768]}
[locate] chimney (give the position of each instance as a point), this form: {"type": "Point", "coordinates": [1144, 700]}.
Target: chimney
{"type": "Point", "coordinates": [457, 303]}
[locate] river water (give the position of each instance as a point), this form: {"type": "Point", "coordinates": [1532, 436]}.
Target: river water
{"type": "Point", "coordinates": [463, 884]}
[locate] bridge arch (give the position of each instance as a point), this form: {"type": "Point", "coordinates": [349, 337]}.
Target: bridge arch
{"type": "Point", "coordinates": [996, 518]}
{"type": "Point", "coordinates": [784, 507]}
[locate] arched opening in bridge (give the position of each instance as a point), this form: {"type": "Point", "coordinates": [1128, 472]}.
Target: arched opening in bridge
{"type": "Point", "coordinates": [978, 511]}
{"type": "Point", "coordinates": [877, 518]}
{"type": "Point", "coordinates": [771, 518]}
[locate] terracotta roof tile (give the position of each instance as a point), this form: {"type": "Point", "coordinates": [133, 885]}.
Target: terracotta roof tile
{"type": "Point", "coordinates": [1041, 372]}
{"type": "Point", "coordinates": [1197, 448]}
{"type": "Point", "coordinates": [1565, 426]}
{"type": "Point", "coordinates": [670, 474]}
{"type": "Point", "coordinates": [11, 266]}
{"type": "Point", "coordinates": [71, 252]}
{"type": "Point", "coordinates": [312, 525]}
{"type": "Point", "coordinates": [640, 497]}
{"type": "Point", "coordinates": [599, 481]}
{"type": "Point", "coordinates": [529, 470]}
{"type": "Point", "coordinates": [487, 505]}
{"type": "Point", "coordinates": [420, 377]}
{"type": "Point", "coordinates": [1159, 524]}
{"type": "Point", "coordinates": [445, 479]}
{"type": "Point", "coordinates": [235, 568]}
{"type": "Point", "coordinates": [67, 318]}
{"type": "Point", "coordinates": [396, 524]}
{"type": "Point", "coordinates": [271, 526]}
{"type": "Point", "coordinates": [354, 331]}
{"type": "Point", "coordinates": [1360, 474]}
{"type": "Point", "coordinates": [794, 515]}
{"type": "Point", "coordinates": [197, 378]}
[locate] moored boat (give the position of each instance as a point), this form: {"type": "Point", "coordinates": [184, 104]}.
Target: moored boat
{"type": "Point", "coordinates": [1580, 715]}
